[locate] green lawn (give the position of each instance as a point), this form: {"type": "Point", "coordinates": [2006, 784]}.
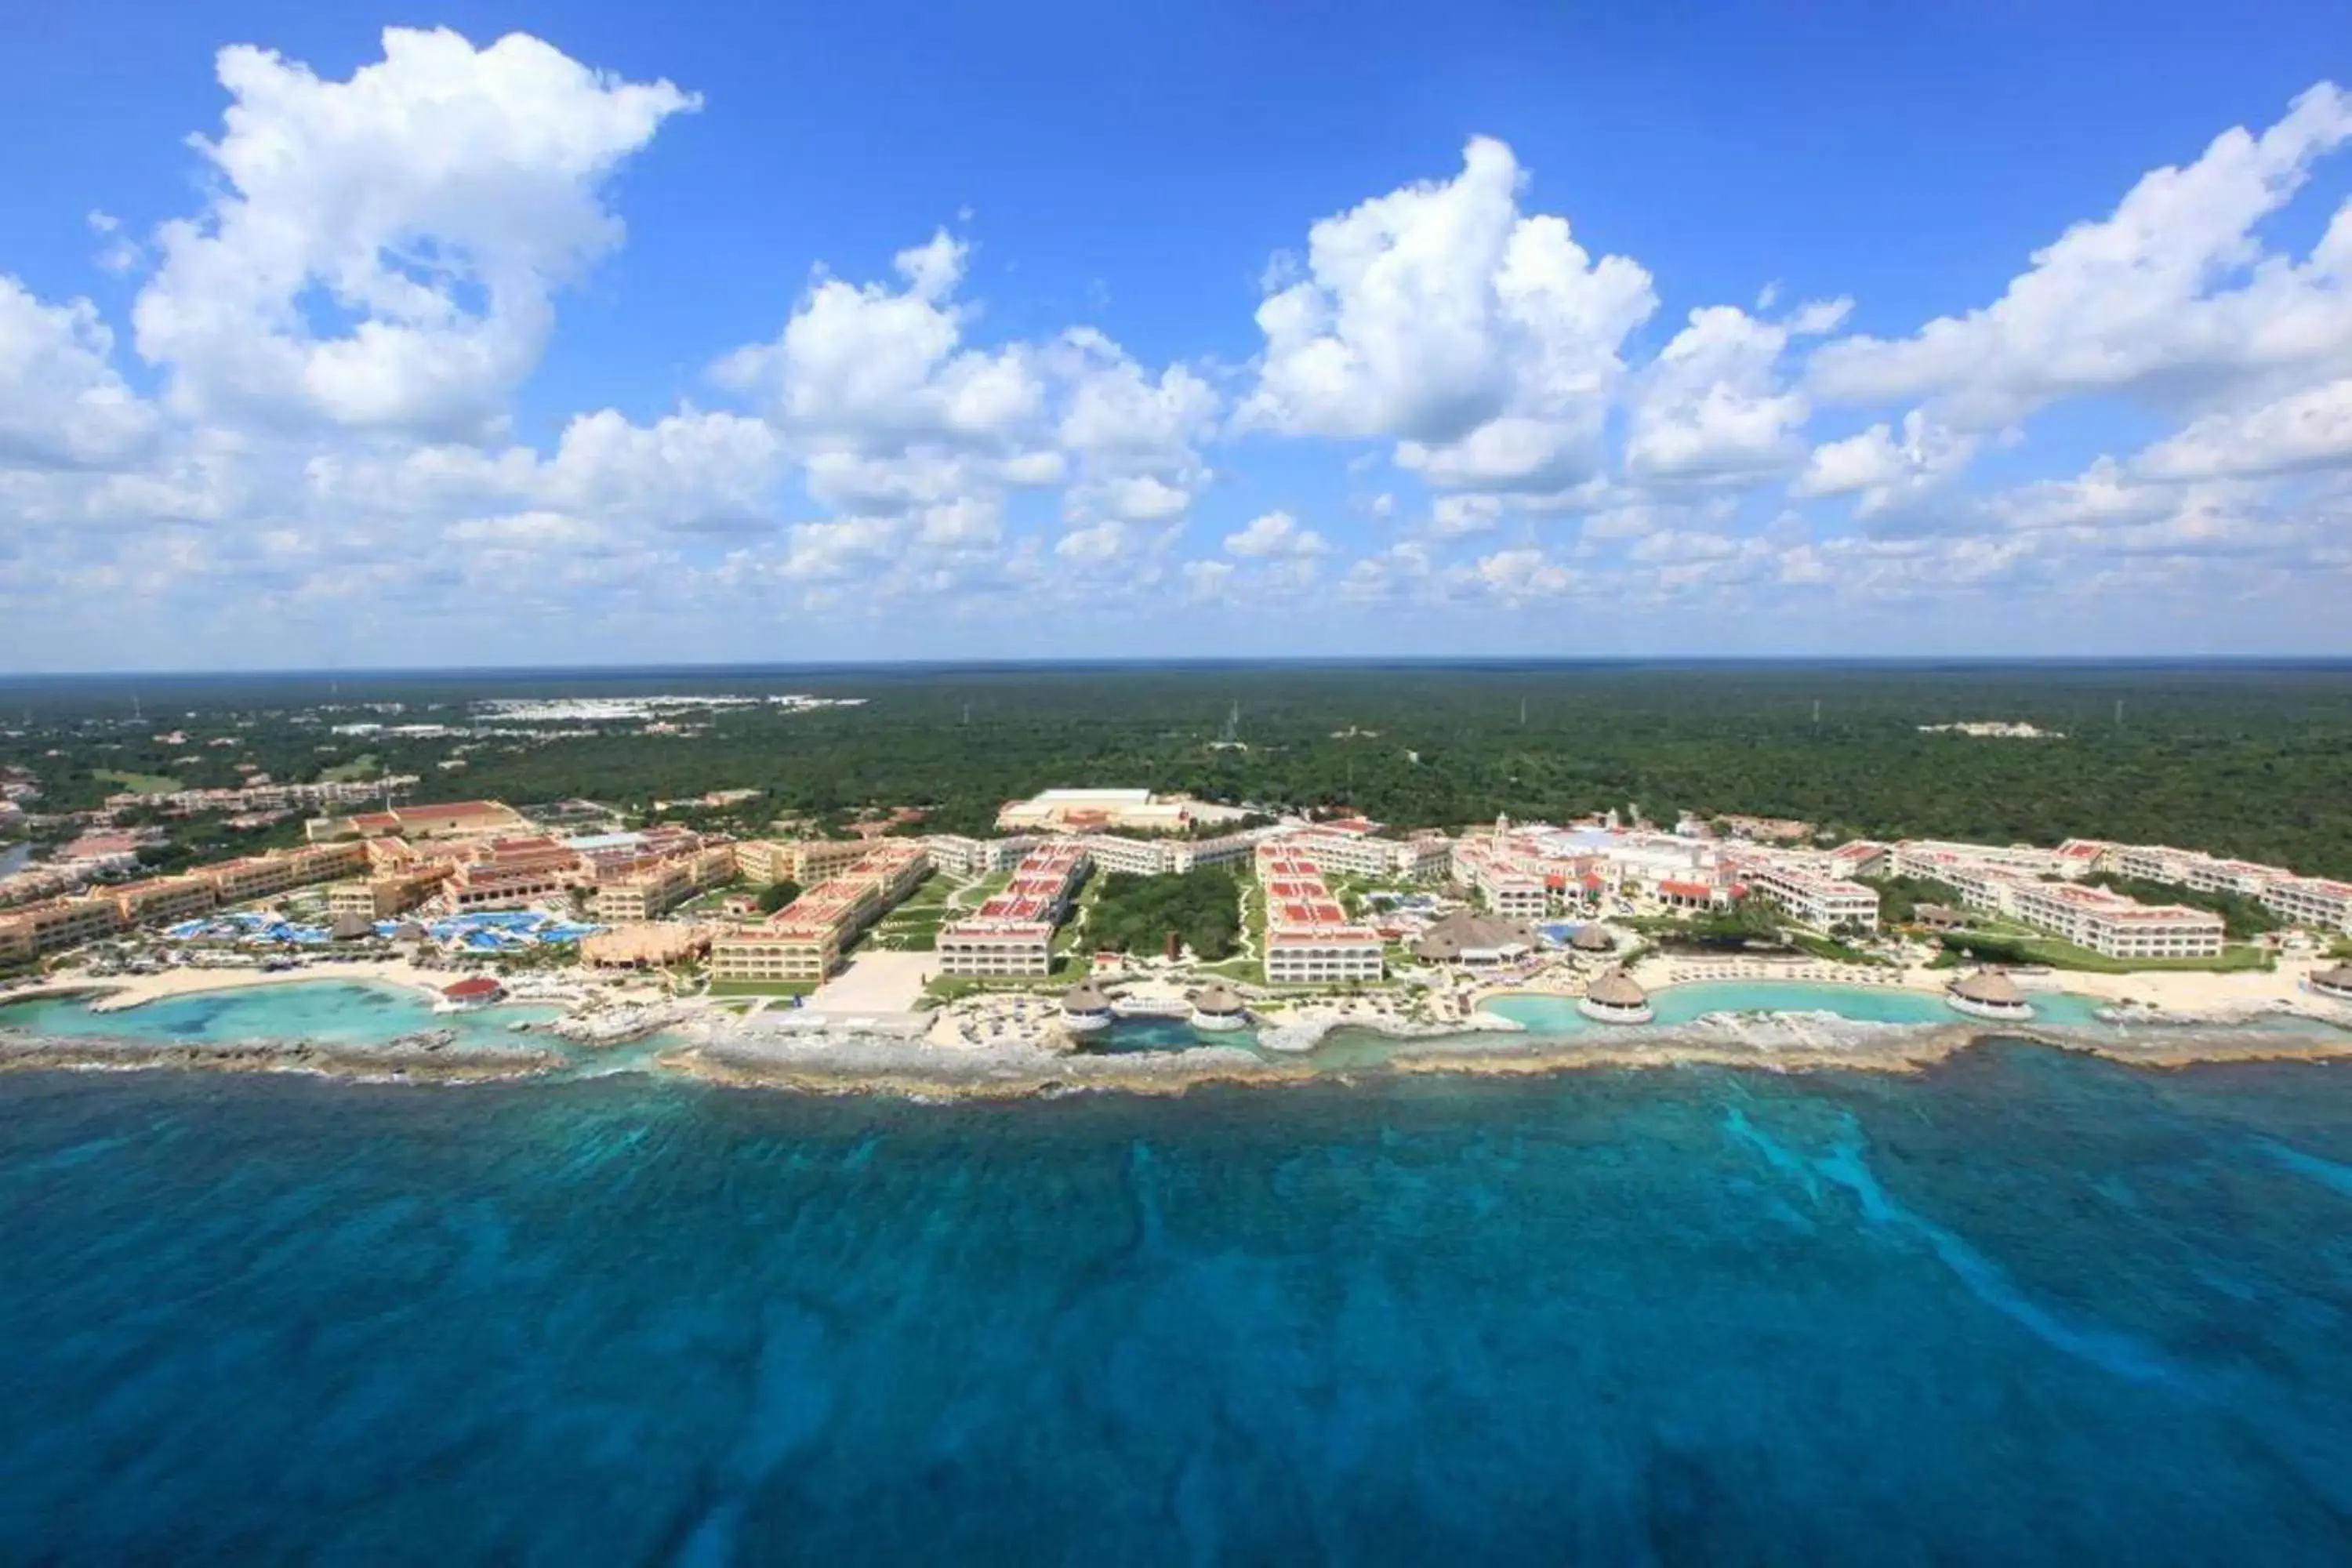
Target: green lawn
{"type": "Point", "coordinates": [2057, 954]}
{"type": "Point", "coordinates": [942, 988]}
{"type": "Point", "coordinates": [760, 988]}
{"type": "Point", "coordinates": [137, 783]}
{"type": "Point", "coordinates": [364, 766]}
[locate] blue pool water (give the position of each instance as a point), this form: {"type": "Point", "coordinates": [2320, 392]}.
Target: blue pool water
{"type": "Point", "coordinates": [333, 1011]}
{"type": "Point", "coordinates": [2025, 1308]}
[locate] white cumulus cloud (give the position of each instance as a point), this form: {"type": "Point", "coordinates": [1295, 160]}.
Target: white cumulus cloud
{"type": "Point", "coordinates": [1483, 341]}
{"type": "Point", "coordinates": [2172, 295]}
{"type": "Point", "coordinates": [383, 253]}
{"type": "Point", "coordinates": [62, 404]}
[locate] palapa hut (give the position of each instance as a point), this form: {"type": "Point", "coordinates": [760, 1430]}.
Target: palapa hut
{"type": "Point", "coordinates": [1988, 994]}
{"type": "Point", "coordinates": [1469, 937]}
{"type": "Point", "coordinates": [1615, 999]}
{"type": "Point", "coordinates": [2335, 982]}
{"type": "Point", "coordinates": [1593, 937]}
{"type": "Point", "coordinates": [351, 928]}
{"type": "Point", "coordinates": [1085, 1007]}
{"type": "Point", "coordinates": [1217, 1007]}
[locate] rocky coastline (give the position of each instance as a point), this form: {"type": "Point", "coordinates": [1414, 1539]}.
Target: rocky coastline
{"type": "Point", "coordinates": [837, 1061]}
{"type": "Point", "coordinates": [428, 1056]}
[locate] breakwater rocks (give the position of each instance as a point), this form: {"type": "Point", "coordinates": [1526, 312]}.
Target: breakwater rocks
{"type": "Point", "coordinates": [841, 1062]}
{"type": "Point", "coordinates": [1299, 1036]}
{"type": "Point", "coordinates": [618, 1026]}
{"type": "Point", "coordinates": [428, 1056]}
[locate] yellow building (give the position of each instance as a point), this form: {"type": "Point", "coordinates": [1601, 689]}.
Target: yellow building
{"type": "Point", "coordinates": [54, 925]}
{"type": "Point", "coordinates": [807, 861]}
{"type": "Point", "coordinates": [802, 942]}
{"type": "Point", "coordinates": [260, 876]}
{"type": "Point", "coordinates": [160, 899]}
{"type": "Point", "coordinates": [380, 898]}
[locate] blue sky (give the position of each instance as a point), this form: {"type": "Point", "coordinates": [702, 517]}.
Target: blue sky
{"type": "Point", "coordinates": [602, 333]}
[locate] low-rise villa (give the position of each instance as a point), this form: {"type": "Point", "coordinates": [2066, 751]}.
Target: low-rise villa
{"type": "Point", "coordinates": [1085, 1007]}
{"type": "Point", "coordinates": [1988, 994]}
{"type": "Point", "coordinates": [475, 991]}
{"type": "Point", "coordinates": [1615, 999]}
{"type": "Point", "coordinates": [1217, 1007]}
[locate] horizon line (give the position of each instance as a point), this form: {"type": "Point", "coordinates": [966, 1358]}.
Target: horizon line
{"type": "Point", "coordinates": [1341, 661]}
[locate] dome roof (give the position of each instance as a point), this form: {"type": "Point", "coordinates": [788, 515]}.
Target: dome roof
{"type": "Point", "coordinates": [1217, 1001]}
{"type": "Point", "coordinates": [1086, 996]}
{"type": "Point", "coordinates": [1593, 937]}
{"type": "Point", "coordinates": [1616, 989]}
{"type": "Point", "coordinates": [1989, 986]}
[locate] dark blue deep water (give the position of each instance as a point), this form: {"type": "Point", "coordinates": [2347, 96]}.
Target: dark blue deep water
{"type": "Point", "coordinates": [2026, 1309]}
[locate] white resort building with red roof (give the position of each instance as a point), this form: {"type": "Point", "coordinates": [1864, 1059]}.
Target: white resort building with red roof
{"type": "Point", "coordinates": [1012, 932]}
{"type": "Point", "coordinates": [1309, 940]}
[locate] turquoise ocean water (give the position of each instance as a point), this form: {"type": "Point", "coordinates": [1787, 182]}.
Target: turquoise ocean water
{"type": "Point", "coordinates": [2025, 1308]}
{"type": "Point", "coordinates": [325, 1010]}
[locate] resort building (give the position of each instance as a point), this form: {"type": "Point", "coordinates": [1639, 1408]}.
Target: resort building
{"type": "Point", "coordinates": [512, 873]}
{"type": "Point", "coordinates": [35, 930]}
{"type": "Point", "coordinates": [802, 942]}
{"type": "Point", "coordinates": [806, 861]}
{"type": "Point", "coordinates": [961, 857]}
{"type": "Point", "coordinates": [1309, 940]}
{"type": "Point", "coordinates": [1354, 848]}
{"type": "Point", "coordinates": [266, 875]}
{"type": "Point", "coordinates": [1938, 858]}
{"type": "Point", "coordinates": [651, 891]}
{"type": "Point", "coordinates": [1817, 902]}
{"type": "Point", "coordinates": [386, 894]}
{"type": "Point", "coordinates": [159, 899]}
{"type": "Point", "coordinates": [1858, 857]}
{"type": "Point", "coordinates": [2311, 902]}
{"type": "Point", "coordinates": [1110, 811]}
{"type": "Point", "coordinates": [1167, 856]}
{"type": "Point", "coordinates": [2299, 900]}
{"type": "Point", "coordinates": [454, 819]}
{"type": "Point", "coordinates": [2111, 924]}
{"type": "Point", "coordinates": [1012, 932]}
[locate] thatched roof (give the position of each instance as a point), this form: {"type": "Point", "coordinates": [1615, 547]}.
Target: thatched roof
{"type": "Point", "coordinates": [1086, 996]}
{"type": "Point", "coordinates": [1616, 989]}
{"type": "Point", "coordinates": [1990, 987]}
{"type": "Point", "coordinates": [1218, 1002]}
{"type": "Point", "coordinates": [351, 928]}
{"type": "Point", "coordinates": [410, 932]}
{"type": "Point", "coordinates": [1593, 937]}
{"type": "Point", "coordinates": [1466, 931]}
{"type": "Point", "coordinates": [2336, 979]}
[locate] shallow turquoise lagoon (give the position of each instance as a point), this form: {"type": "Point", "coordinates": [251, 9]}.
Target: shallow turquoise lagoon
{"type": "Point", "coordinates": [334, 1012]}
{"type": "Point", "coordinates": [1863, 1004]}
{"type": "Point", "coordinates": [1126, 1037]}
